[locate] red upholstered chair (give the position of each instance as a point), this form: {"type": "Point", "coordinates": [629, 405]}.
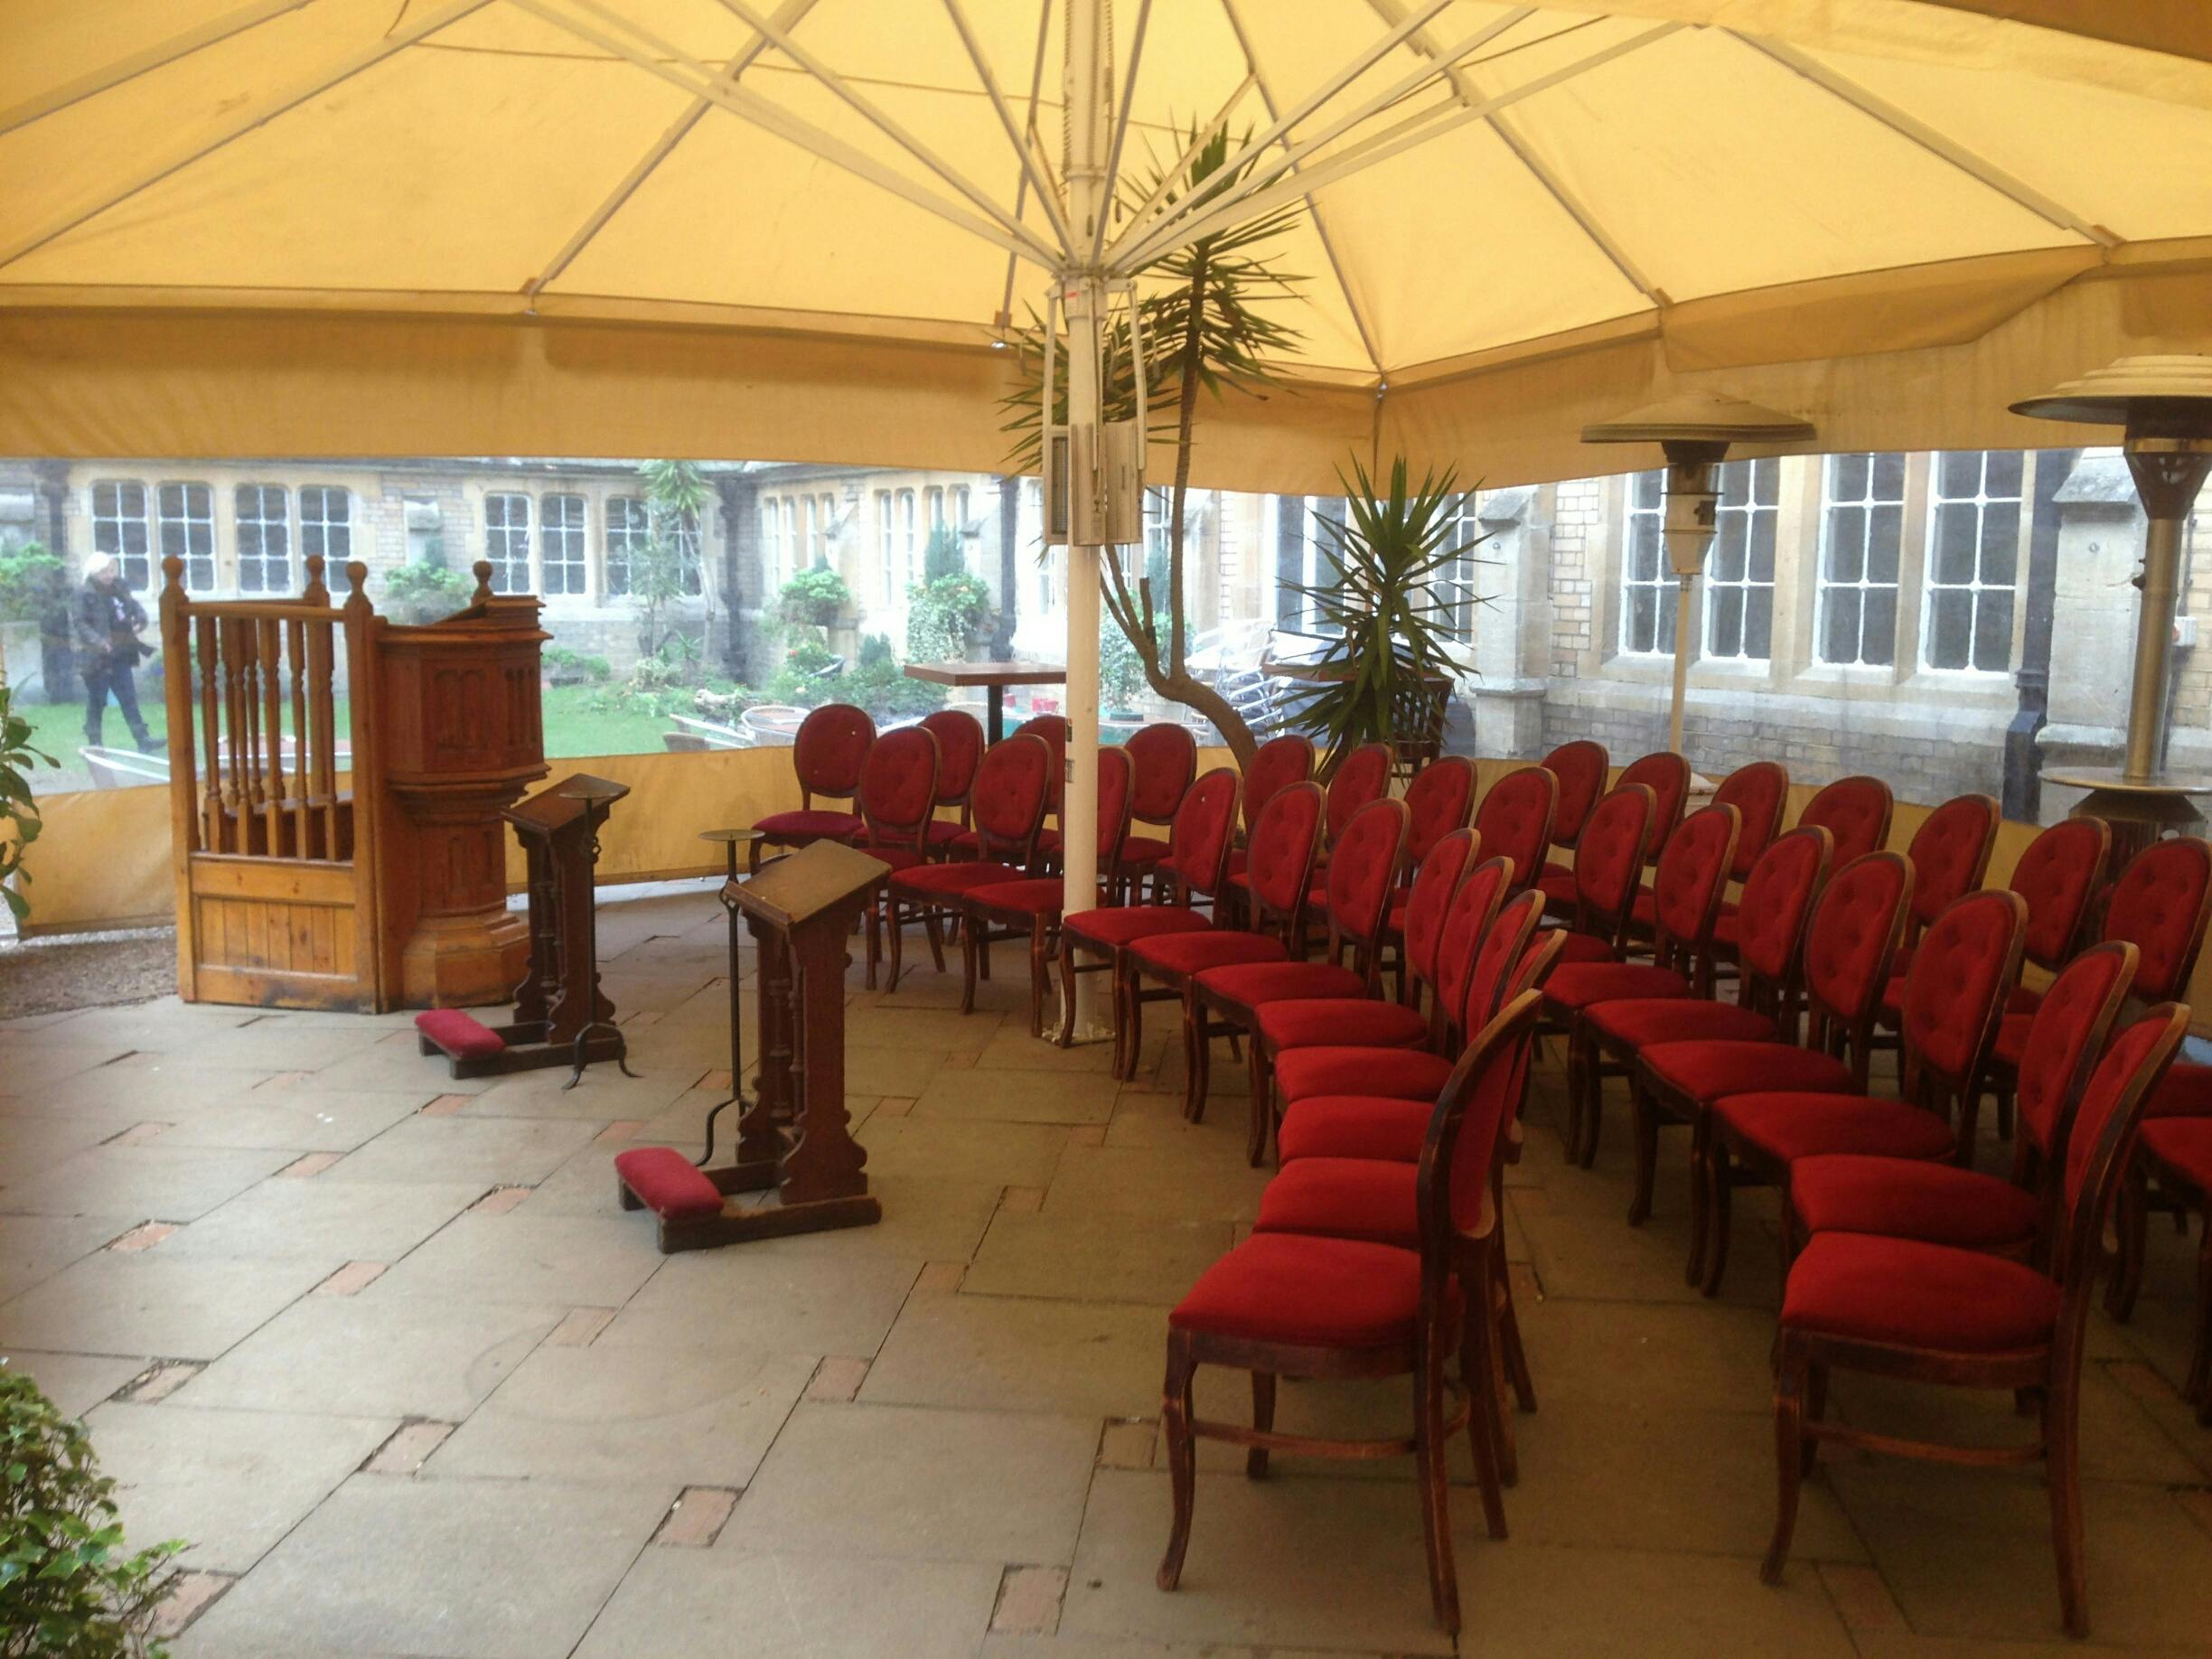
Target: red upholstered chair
{"type": "Point", "coordinates": [898, 788]}
{"type": "Point", "coordinates": [1515, 820]}
{"type": "Point", "coordinates": [1361, 879]}
{"type": "Point", "coordinates": [1284, 843]}
{"type": "Point", "coordinates": [1057, 733]}
{"type": "Point", "coordinates": [832, 743]}
{"type": "Point", "coordinates": [1853, 931]}
{"type": "Point", "coordinates": [1029, 907]}
{"type": "Point", "coordinates": [1856, 811]}
{"type": "Point", "coordinates": [1950, 854]}
{"type": "Point", "coordinates": [1608, 862]}
{"type": "Point", "coordinates": [1361, 776]}
{"type": "Point", "coordinates": [1759, 790]}
{"type": "Point", "coordinates": [1195, 867]}
{"type": "Point", "coordinates": [1953, 998]}
{"type": "Point", "coordinates": [1438, 801]}
{"type": "Point", "coordinates": [1941, 1203]}
{"type": "Point", "coordinates": [1778, 899]}
{"type": "Point", "coordinates": [1411, 956]}
{"type": "Point", "coordinates": [2178, 1151]}
{"type": "Point", "coordinates": [1931, 1313]}
{"type": "Point", "coordinates": [1166, 758]}
{"type": "Point", "coordinates": [1580, 768]}
{"type": "Point", "coordinates": [960, 751]}
{"type": "Point", "coordinates": [1277, 763]}
{"type": "Point", "coordinates": [1667, 775]}
{"type": "Point", "coordinates": [1686, 897]}
{"type": "Point", "coordinates": [1009, 785]}
{"type": "Point", "coordinates": [1287, 1304]}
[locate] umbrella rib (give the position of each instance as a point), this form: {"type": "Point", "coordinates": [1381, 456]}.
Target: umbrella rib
{"type": "Point", "coordinates": [1120, 131]}
{"type": "Point", "coordinates": [1021, 183]}
{"type": "Point", "coordinates": [689, 75]}
{"type": "Point", "coordinates": [1048, 198]}
{"type": "Point", "coordinates": [353, 63]}
{"type": "Point", "coordinates": [1976, 166]}
{"type": "Point", "coordinates": [158, 56]}
{"type": "Point", "coordinates": [792, 12]}
{"type": "Point", "coordinates": [1180, 167]}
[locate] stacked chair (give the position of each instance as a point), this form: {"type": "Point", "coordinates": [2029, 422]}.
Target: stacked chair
{"type": "Point", "coordinates": [832, 744]}
{"type": "Point", "coordinates": [1010, 784]}
{"type": "Point", "coordinates": [1164, 759]}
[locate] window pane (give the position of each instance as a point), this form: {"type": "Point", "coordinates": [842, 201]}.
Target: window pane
{"type": "Point", "coordinates": [1663, 639]}
{"type": "Point", "coordinates": [1952, 559]}
{"type": "Point", "coordinates": [1999, 543]}
{"type": "Point", "coordinates": [1847, 544]}
{"type": "Point", "coordinates": [1643, 607]}
{"type": "Point", "coordinates": [1958, 473]}
{"type": "Point", "coordinates": [1728, 604]}
{"type": "Point", "coordinates": [1643, 549]}
{"type": "Point", "coordinates": [1993, 645]}
{"type": "Point", "coordinates": [1758, 623]}
{"type": "Point", "coordinates": [1840, 638]}
{"type": "Point", "coordinates": [1766, 481]}
{"type": "Point", "coordinates": [2005, 472]}
{"type": "Point", "coordinates": [1849, 482]}
{"type": "Point", "coordinates": [1889, 478]}
{"type": "Point", "coordinates": [1645, 490]}
{"type": "Point", "coordinates": [564, 544]}
{"type": "Point", "coordinates": [264, 539]}
{"type": "Point", "coordinates": [1877, 639]}
{"type": "Point", "coordinates": [1950, 621]}
{"type": "Point", "coordinates": [1735, 483]}
{"type": "Point", "coordinates": [1886, 525]}
{"type": "Point", "coordinates": [1728, 548]}
{"type": "Point", "coordinates": [1762, 547]}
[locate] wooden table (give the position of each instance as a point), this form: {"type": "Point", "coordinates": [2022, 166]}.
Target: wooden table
{"type": "Point", "coordinates": [995, 676]}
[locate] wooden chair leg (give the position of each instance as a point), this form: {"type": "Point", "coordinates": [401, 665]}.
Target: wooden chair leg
{"type": "Point", "coordinates": [1263, 1420]}
{"type": "Point", "coordinates": [1584, 1081]}
{"type": "Point", "coordinates": [1815, 1411]}
{"type": "Point", "coordinates": [934, 930]}
{"type": "Point", "coordinates": [874, 939]}
{"type": "Point", "coordinates": [1182, 1474]}
{"type": "Point", "coordinates": [1435, 1487]}
{"type": "Point", "coordinates": [1131, 1024]}
{"type": "Point", "coordinates": [1701, 1200]}
{"type": "Point", "coordinates": [2062, 1472]}
{"type": "Point", "coordinates": [1509, 1337]}
{"type": "Point", "coordinates": [1260, 1084]}
{"type": "Point", "coordinates": [1036, 976]}
{"type": "Point", "coordinates": [2130, 1222]}
{"type": "Point", "coordinates": [895, 925]}
{"type": "Point", "coordinates": [1719, 1178]}
{"type": "Point", "coordinates": [1790, 1370]}
{"type": "Point", "coordinates": [2005, 1114]}
{"type": "Point", "coordinates": [2199, 1386]}
{"type": "Point", "coordinates": [1484, 1415]}
{"type": "Point", "coordinates": [968, 974]}
{"type": "Point", "coordinates": [1067, 990]}
{"type": "Point", "coordinates": [1644, 1121]}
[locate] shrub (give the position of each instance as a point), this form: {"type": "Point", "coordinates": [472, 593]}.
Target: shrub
{"type": "Point", "coordinates": [943, 556]}
{"type": "Point", "coordinates": [33, 585]}
{"type": "Point", "coordinates": [1122, 679]}
{"type": "Point", "coordinates": [424, 593]}
{"type": "Point", "coordinates": [817, 596]}
{"type": "Point", "coordinates": [67, 1588]}
{"type": "Point", "coordinates": [941, 615]}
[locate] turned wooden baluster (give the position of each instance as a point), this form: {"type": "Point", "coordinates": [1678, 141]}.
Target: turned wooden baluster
{"type": "Point", "coordinates": [295, 659]}
{"type": "Point", "coordinates": [323, 797]}
{"type": "Point", "coordinates": [269, 642]}
{"type": "Point", "coordinates": [207, 656]}
{"type": "Point", "coordinates": [238, 803]}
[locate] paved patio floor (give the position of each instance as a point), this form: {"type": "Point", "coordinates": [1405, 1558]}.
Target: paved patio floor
{"type": "Point", "coordinates": [382, 1347]}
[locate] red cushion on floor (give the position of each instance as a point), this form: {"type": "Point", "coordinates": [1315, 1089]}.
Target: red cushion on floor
{"type": "Point", "coordinates": [1577, 984]}
{"type": "Point", "coordinates": [1344, 1198]}
{"type": "Point", "coordinates": [1640, 1021]}
{"type": "Point", "coordinates": [2185, 1091]}
{"type": "Point", "coordinates": [1910, 1198]}
{"type": "Point", "coordinates": [1035, 895]}
{"type": "Point", "coordinates": [1253, 984]}
{"type": "Point", "coordinates": [1582, 948]}
{"type": "Point", "coordinates": [1913, 1295]}
{"type": "Point", "coordinates": [814, 821]}
{"type": "Point", "coordinates": [1401, 1074]}
{"type": "Point", "coordinates": [1791, 1125]}
{"type": "Point", "coordinates": [1705, 1071]}
{"type": "Point", "coordinates": [2186, 1143]}
{"type": "Point", "coordinates": [461, 1034]}
{"type": "Point", "coordinates": [1143, 850]}
{"type": "Point", "coordinates": [1294, 1288]}
{"type": "Point", "coordinates": [667, 1183]}
{"type": "Point", "coordinates": [931, 881]}
{"type": "Point", "coordinates": [1354, 1126]}
{"type": "Point", "coordinates": [1130, 923]}
{"type": "Point", "coordinates": [1216, 948]}
{"type": "Point", "coordinates": [1342, 1022]}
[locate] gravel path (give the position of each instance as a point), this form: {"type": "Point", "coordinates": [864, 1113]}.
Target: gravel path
{"type": "Point", "coordinates": [86, 971]}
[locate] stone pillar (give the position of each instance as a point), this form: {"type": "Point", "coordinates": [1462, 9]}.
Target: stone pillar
{"type": "Point", "coordinates": [57, 656]}
{"type": "Point", "coordinates": [1512, 641]}
{"type": "Point", "coordinates": [1009, 566]}
{"type": "Point", "coordinates": [742, 575]}
{"type": "Point", "coordinates": [2023, 794]}
{"type": "Point", "coordinates": [1290, 560]}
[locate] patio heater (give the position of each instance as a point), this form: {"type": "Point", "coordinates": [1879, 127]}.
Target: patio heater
{"type": "Point", "coordinates": [2164, 406]}
{"type": "Point", "coordinates": [1693, 431]}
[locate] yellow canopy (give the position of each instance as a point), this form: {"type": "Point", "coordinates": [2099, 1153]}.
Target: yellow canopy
{"type": "Point", "coordinates": [743, 228]}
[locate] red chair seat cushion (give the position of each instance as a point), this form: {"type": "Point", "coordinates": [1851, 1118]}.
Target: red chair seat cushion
{"type": "Point", "coordinates": [459, 1034]}
{"type": "Point", "coordinates": [1033, 894]}
{"type": "Point", "coordinates": [813, 822]}
{"type": "Point", "coordinates": [1363, 1126]}
{"type": "Point", "coordinates": [1912, 1294]}
{"type": "Point", "coordinates": [2185, 1144]}
{"type": "Point", "coordinates": [2185, 1091]}
{"type": "Point", "coordinates": [897, 858]}
{"type": "Point", "coordinates": [1583, 948]}
{"type": "Point", "coordinates": [1642, 1022]}
{"type": "Point", "coordinates": [939, 880]}
{"type": "Point", "coordinates": [1706, 1070]}
{"type": "Point", "coordinates": [1342, 1022]}
{"type": "Point", "coordinates": [1253, 984]}
{"type": "Point", "coordinates": [1398, 1074]}
{"type": "Point", "coordinates": [1910, 1198]}
{"type": "Point", "coordinates": [1344, 1198]}
{"type": "Point", "coordinates": [943, 832]}
{"type": "Point", "coordinates": [1215, 948]}
{"type": "Point", "coordinates": [1576, 985]}
{"type": "Point", "coordinates": [1296, 1289]}
{"type": "Point", "coordinates": [1131, 922]}
{"type": "Point", "coordinates": [1788, 1125]}
{"type": "Point", "coordinates": [666, 1182]}
{"type": "Point", "coordinates": [1143, 850]}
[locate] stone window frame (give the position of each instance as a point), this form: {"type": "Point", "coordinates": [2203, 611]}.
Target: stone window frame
{"type": "Point", "coordinates": [1714, 582]}
{"type": "Point", "coordinates": [565, 545]}
{"type": "Point", "coordinates": [255, 530]}
{"type": "Point", "coordinates": [185, 522]}
{"type": "Point", "coordinates": [320, 533]}
{"type": "Point", "coordinates": [117, 522]}
{"type": "Point", "coordinates": [2023, 504]}
{"type": "Point", "coordinates": [500, 540]}
{"type": "Point", "coordinates": [628, 527]}
{"type": "Point", "coordinates": [1622, 614]}
{"type": "Point", "coordinates": [1870, 502]}
{"type": "Point", "coordinates": [886, 543]}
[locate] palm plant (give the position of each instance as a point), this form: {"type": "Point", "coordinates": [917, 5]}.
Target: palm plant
{"type": "Point", "coordinates": [19, 814]}
{"type": "Point", "coordinates": [1204, 328]}
{"type": "Point", "coordinates": [1383, 614]}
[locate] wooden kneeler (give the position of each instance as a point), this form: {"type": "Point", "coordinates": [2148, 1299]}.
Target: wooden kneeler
{"type": "Point", "coordinates": [793, 1144]}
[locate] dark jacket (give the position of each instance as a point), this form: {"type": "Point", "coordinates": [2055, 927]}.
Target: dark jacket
{"type": "Point", "coordinates": [107, 621]}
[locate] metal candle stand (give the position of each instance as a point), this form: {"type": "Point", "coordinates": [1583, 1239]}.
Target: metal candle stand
{"type": "Point", "coordinates": [594, 793]}
{"type": "Point", "coordinates": [730, 841]}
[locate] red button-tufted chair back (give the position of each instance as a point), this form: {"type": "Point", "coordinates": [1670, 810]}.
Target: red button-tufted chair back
{"type": "Point", "coordinates": [1950, 853]}
{"type": "Point", "coordinates": [1856, 811]}
{"type": "Point", "coordinates": [1854, 932]}
{"type": "Point", "coordinates": [832, 747]}
{"type": "Point", "coordinates": [1284, 844]}
{"type": "Point", "coordinates": [1502, 946]}
{"type": "Point", "coordinates": [1480, 1100]}
{"type": "Point", "coordinates": [1955, 991]}
{"type": "Point", "coordinates": [1466, 925]}
{"type": "Point", "coordinates": [1516, 818]}
{"type": "Point", "coordinates": [960, 751]}
{"type": "Point", "coordinates": [1667, 775]}
{"type": "Point", "coordinates": [1609, 857]}
{"type": "Point", "coordinates": [1278, 762]}
{"type": "Point", "coordinates": [1115, 796]}
{"type": "Point", "coordinates": [1166, 757]}
{"type": "Point", "coordinates": [2061, 869]}
{"type": "Point", "coordinates": [1692, 874]}
{"type": "Point", "coordinates": [1580, 768]}
{"type": "Point", "coordinates": [1008, 788]}
{"type": "Point", "coordinates": [2068, 1034]}
{"type": "Point", "coordinates": [1777, 897]}
{"type": "Point", "coordinates": [1760, 792]}
{"type": "Point", "coordinates": [1363, 871]}
{"type": "Point", "coordinates": [1198, 840]}
{"type": "Point", "coordinates": [898, 786]}
{"type": "Point", "coordinates": [1437, 802]}
{"type": "Point", "coordinates": [1429, 901]}
{"type": "Point", "coordinates": [2159, 903]}
{"type": "Point", "coordinates": [1056, 732]}
{"type": "Point", "coordinates": [2097, 1155]}
{"type": "Point", "coordinates": [1362, 777]}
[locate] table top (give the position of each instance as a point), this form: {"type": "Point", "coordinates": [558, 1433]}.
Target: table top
{"type": "Point", "coordinates": [739, 836]}
{"type": "Point", "coordinates": [989, 673]}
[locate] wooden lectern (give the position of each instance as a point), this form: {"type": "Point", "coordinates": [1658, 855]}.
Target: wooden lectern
{"type": "Point", "coordinates": [792, 1139]}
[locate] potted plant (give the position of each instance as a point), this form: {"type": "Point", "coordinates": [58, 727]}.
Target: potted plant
{"type": "Point", "coordinates": [19, 814]}
{"type": "Point", "coordinates": [816, 598]}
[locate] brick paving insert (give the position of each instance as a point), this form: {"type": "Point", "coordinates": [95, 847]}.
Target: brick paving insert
{"type": "Point", "coordinates": [161, 1382]}
{"type": "Point", "coordinates": [1029, 1601]}
{"type": "Point", "coordinates": [499, 1200]}
{"type": "Point", "coordinates": [838, 1378]}
{"type": "Point", "coordinates": [350, 1279]}
{"type": "Point", "coordinates": [193, 1594]}
{"type": "Point", "coordinates": [143, 1237]}
{"type": "Point", "coordinates": [313, 1163]}
{"type": "Point", "coordinates": [581, 1326]}
{"type": "Point", "coordinates": [446, 1105]}
{"type": "Point", "coordinates": [410, 1445]}
{"type": "Point", "coordinates": [698, 1518]}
